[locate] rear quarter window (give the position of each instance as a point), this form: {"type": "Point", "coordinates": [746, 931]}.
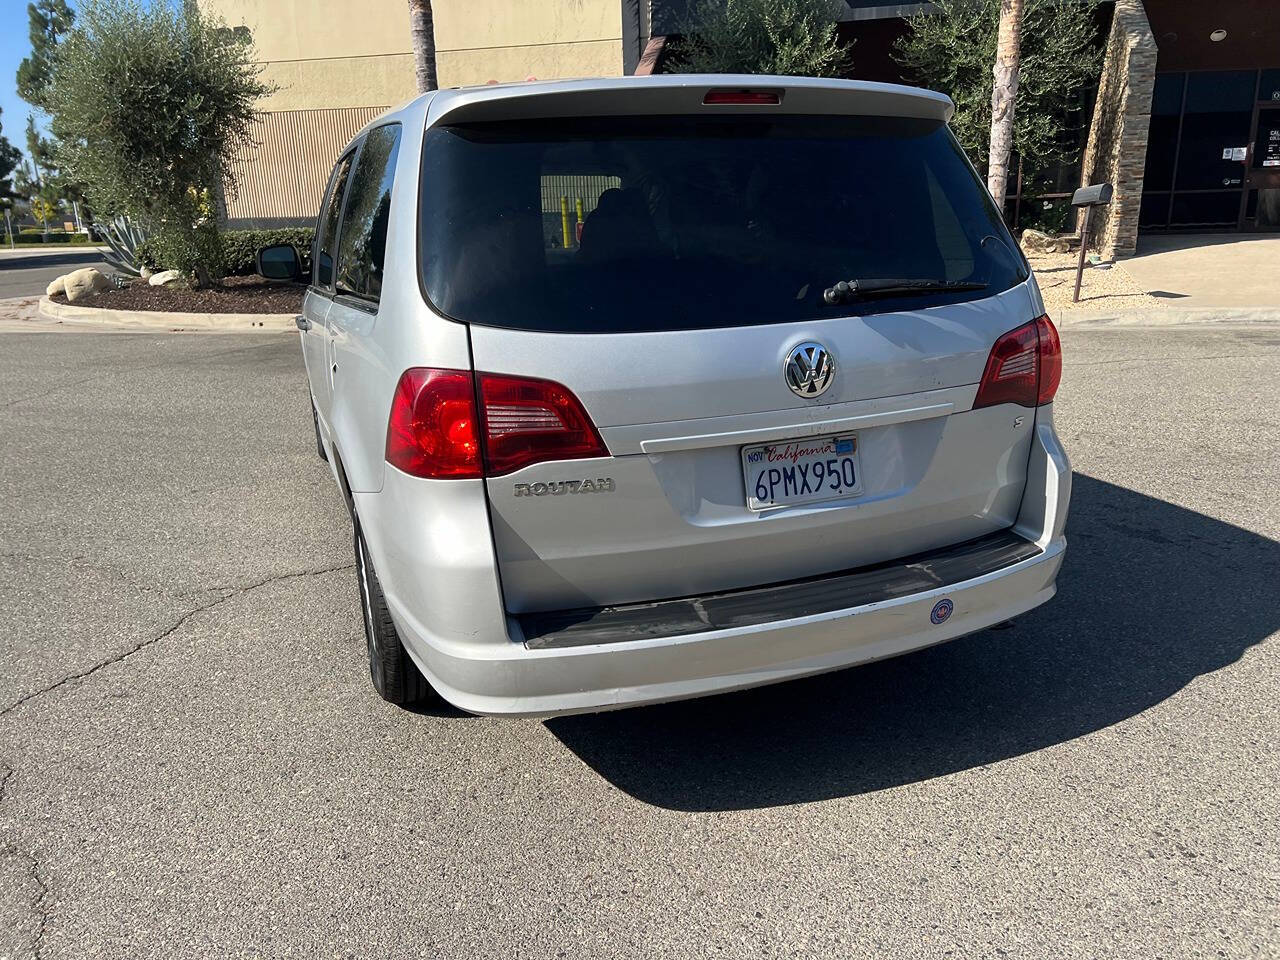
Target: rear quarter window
{"type": "Point", "coordinates": [362, 249]}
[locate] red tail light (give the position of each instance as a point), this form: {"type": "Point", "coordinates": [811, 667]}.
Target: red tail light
{"type": "Point", "coordinates": [435, 430]}
{"type": "Point", "coordinates": [756, 97]}
{"type": "Point", "coordinates": [530, 421]}
{"type": "Point", "coordinates": [1025, 367]}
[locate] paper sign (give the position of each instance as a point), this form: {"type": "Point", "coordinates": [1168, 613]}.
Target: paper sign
{"type": "Point", "coordinates": [1226, 153]}
{"type": "Point", "coordinates": [1238, 153]}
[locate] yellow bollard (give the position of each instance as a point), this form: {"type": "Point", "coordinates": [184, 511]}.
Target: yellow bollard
{"type": "Point", "coordinates": [577, 233]}
{"type": "Point", "coordinates": [564, 222]}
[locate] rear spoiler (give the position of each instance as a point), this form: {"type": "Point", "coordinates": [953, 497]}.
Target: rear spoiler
{"type": "Point", "coordinates": [685, 94]}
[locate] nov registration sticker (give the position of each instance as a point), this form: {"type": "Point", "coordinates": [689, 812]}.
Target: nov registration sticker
{"type": "Point", "coordinates": [801, 471]}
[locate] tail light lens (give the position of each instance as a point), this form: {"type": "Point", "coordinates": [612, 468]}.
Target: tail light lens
{"type": "Point", "coordinates": [1025, 367]}
{"type": "Point", "coordinates": [433, 430]}
{"type": "Point", "coordinates": [436, 431]}
{"type": "Point", "coordinates": [530, 421]}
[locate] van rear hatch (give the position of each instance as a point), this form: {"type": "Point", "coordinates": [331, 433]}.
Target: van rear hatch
{"type": "Point", "coordinates": [675, 267]}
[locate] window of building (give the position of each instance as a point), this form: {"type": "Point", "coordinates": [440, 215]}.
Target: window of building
{"type": "Point", "coordinates": [362, 248]}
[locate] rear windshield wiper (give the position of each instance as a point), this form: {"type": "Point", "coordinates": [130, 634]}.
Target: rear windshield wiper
{"type": "Point", "coordinates": [847, 290]}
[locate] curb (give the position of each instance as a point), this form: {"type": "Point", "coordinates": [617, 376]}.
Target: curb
{"type": "Point", "coordinates": [156, 320]}
{"type": "Point", "coordinates": [1168, 317]}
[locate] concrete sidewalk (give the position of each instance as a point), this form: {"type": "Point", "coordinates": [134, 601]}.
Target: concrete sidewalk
{"type": "Point", "coordinates": [1196, 271]}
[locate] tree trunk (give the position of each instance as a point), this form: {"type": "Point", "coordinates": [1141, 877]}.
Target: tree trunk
{"type": "Point", "coordinates": [1004, 92]}
{"type": "Point", "coordinates": [424, 44]}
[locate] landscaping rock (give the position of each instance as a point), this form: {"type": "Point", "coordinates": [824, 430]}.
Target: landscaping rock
{"type": "Point", "coordinates": [145, 273]}
{"type": "Point", "coordinates": [84, 283]}
{"type": "Point", "coordinates": [163, 277]}
{"type": "Point", "coordinates": [56, 286]}
{"type": "Point", "coordinates": [1041, 242]}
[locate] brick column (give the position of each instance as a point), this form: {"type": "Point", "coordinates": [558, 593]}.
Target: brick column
{"type": "Point", "coordinates": [1117, 147]}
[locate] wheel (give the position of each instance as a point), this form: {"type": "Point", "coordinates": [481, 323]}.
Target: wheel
{"type": "Point", "coordinates": [315, 423]}
{"type": "Point", "coordinates": [394, 674]}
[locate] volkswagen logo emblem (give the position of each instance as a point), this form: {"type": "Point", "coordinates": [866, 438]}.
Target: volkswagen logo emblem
{"type": "Point", "coordinates": [808, 369]}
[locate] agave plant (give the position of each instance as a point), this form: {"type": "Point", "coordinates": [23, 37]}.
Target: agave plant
{"type": "Point", "coordinates": [124, 237]}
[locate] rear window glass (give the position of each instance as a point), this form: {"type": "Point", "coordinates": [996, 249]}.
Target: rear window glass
{"type": "Point", "coordinates": [670, 223]}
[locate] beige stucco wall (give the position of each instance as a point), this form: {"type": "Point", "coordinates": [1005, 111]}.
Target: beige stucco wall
{"type": "Point", "coordinates": [337, 63]}
{"type": "Point", "coordinates": [324, 54]}
{"type": "Point", "coordinates": [482, 40]}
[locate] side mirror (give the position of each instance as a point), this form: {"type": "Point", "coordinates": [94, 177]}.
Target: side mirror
{"type": "Point", "coordinates": [280, 262]}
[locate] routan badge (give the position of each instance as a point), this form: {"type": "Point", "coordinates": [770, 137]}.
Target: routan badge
{"type": "Point", "coordinates": [942, 610]}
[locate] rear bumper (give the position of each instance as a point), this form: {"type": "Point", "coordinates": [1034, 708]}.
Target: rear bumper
{"type": "Point", "coordinates": [479, 669]}
{"type": "Point", "coordinates": [520, 681]}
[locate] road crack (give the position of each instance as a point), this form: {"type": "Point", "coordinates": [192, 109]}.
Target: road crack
{"type": "Point", "coordinates": [226, 593]}
{"type": "Point", "coordinates": [39, 905]}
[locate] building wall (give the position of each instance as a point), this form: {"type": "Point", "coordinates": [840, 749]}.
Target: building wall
{"type": "Point", "coordinates": [482, 40]}
{"type": "Point", "coordinates": [336, 64]}
{"type": "Point", "coordinates": [326, 54]}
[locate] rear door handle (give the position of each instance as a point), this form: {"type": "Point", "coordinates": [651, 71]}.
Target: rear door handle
{"type": "Point", "coordinates": [302, 322]}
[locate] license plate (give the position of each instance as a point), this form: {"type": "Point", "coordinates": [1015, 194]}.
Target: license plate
{"type": "Point", "coordinates": [801, 471]}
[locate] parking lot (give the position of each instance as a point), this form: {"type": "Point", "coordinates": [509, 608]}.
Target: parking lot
{"type": "Point", "coordinates": [193, 762]}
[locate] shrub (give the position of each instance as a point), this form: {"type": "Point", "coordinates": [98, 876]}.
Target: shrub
{"type": "Point", "coordinates": [36, 236]}
{"type": "Point", "coordinates": [782, 37]}
{"type": "Point", "coordinates": [239, 249]}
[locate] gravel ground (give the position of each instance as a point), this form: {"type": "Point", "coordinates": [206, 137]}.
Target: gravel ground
{"type": "Point", "coordinates": [193, 764]}
{"type": "Point", "coordinates": [1110, 289]}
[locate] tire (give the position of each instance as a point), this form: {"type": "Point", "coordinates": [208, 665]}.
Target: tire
{"type": "Point", "coordinates": [395, 676]}
{"type": "Point", "coordinates": [315, 424]}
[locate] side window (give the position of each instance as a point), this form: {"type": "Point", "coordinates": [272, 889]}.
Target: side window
{"type": "Point", "coordinates": [326, 234]}
{"type": "Point", "coordinates": [362, 248]}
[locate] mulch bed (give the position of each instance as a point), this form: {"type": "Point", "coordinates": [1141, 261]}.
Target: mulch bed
{"type": "Point", "coordinates": [235, 295]}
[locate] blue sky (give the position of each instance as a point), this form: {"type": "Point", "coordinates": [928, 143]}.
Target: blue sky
{"type": "Point", "coordinates": [14, 46]}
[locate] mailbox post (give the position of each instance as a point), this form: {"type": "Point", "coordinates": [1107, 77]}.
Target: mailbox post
{"type": "Point", "coordinates": [1088, 197]}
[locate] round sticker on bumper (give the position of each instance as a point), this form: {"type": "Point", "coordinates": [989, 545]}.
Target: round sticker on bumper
{"type": "Point", "coordinates": [941, 611]}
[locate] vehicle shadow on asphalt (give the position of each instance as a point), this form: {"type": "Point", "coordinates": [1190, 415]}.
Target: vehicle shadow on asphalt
{"type": "Point", "coordinates": [1151, 596]}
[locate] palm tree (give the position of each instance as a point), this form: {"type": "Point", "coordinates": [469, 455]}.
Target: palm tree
{"type": "Point", "coordinates": [424, 44]}
{"type": "Point", "coordinates": [1004, 92]}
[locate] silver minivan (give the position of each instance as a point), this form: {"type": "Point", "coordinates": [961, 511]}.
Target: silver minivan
{"type": "Point", "coordinates": [646, 388]}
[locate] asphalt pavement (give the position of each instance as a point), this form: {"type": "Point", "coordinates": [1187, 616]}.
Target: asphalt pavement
{"type": "Point", "coordinates": [193, 762]}
{"type": "Point", "coordinates": [27, 272]}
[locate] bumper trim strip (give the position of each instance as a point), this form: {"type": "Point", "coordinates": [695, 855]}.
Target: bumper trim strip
{"type": "Point", "coordinates": [784, 601]}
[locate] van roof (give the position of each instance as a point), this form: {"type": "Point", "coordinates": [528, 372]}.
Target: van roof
{"type": "Point", "coordinates": [680, 94]}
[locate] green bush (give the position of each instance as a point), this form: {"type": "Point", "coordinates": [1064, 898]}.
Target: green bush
{"type": "Point", "coordinates": [787, 37]}
{"type": "Point", "coordinates": [35, 236]}
{"type": "Point", "coordinates": [240, 248]}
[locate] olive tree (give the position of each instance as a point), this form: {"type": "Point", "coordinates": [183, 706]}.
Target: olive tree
{"type": "Point", "coordinates": [781, 37]}
{"type": "Point", "coordinates": [952, 47]}
{"type": "Point", "coordinates": [151, 103]}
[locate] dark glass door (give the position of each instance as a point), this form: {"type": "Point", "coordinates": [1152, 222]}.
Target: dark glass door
{"type": "Point", "coordinates": [1217, 119]}
{"type": "Point", "coordinates": [1213, 152]}
{"type": "Point", "coordinates": [1262, 209]}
